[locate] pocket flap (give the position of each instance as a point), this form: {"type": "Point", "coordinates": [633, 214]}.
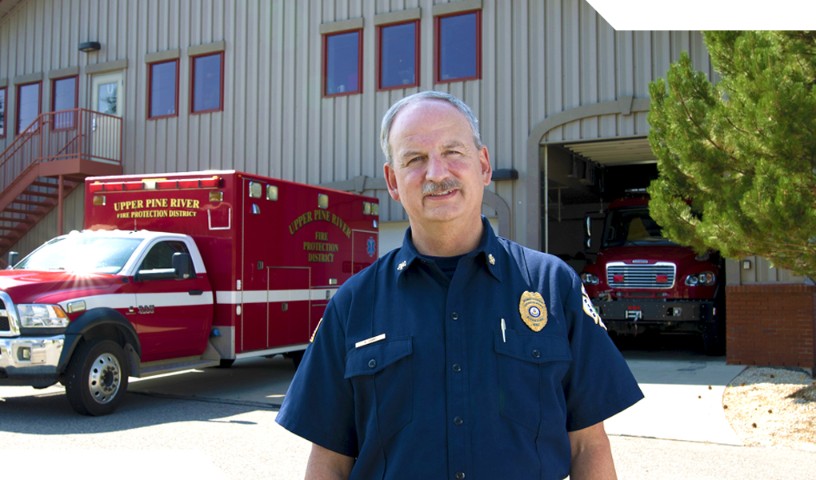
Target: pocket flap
{"type": "Point", "coordinates": [370, 359]}
{"type": "Point", "coordinates": [534, 348]}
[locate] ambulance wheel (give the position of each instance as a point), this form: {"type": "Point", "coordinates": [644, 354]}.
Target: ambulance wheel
{"type": "Point", "coordinates": [96, 379]}
{"type": "Point", "coordinates": [296, 358]}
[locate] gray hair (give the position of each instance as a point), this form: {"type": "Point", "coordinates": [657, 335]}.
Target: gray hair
{"type": "Point", "coordinates": [388, 118]}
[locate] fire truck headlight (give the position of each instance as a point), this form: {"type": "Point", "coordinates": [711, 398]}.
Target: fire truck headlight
{"type": "Point", "coordinates": [589, 279]}
{"type": "Point", "coordinates": [36, 315]}
{"type": "Point", "coordinates": [703, 279]}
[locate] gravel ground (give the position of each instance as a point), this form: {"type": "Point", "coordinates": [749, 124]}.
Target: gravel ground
{"type": "Point", "coordinates": [773, 407]}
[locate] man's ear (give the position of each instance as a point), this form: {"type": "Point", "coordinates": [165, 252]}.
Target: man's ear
{"type": "Point", "coordinates": [391, 181]}
{"type": "Point", "coordinates": [487, 170]}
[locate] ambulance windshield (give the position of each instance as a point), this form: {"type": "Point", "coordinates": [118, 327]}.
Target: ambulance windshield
{"type": "Point", "coordinates": [80, 253]}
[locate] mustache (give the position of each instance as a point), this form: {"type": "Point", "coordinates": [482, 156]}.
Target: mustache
{"type": "Point", "coordinates": [432, 188]}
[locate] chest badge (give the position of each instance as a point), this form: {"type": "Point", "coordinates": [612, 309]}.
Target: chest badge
{"type": "Point", "coordinates": [533, 310]}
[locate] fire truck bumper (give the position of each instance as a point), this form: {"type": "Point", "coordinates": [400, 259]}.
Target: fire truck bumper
{"type": "Point", "coordinates": [631, 316]}
{"type": "Point", "coordinates": [30, 360]}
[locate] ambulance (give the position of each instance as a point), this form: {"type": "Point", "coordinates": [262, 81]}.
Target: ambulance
{"type": "Point", "coordinates": [178, 271]}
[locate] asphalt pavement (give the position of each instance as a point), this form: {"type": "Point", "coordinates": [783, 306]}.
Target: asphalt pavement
{"type": "Point", "coordinates": [219, 424]}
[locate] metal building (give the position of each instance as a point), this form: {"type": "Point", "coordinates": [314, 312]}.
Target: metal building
{"type": "Point", "coordinates": [561, 97]}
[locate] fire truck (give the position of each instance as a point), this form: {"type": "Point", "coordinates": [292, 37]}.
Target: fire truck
{"type": "Point", "coordinates": [178, 271]}
{"type": "Point", "coordinates": [642, 282]}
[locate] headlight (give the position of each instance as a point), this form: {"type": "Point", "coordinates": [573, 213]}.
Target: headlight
{"type": "Point", "coordinates": [37, 315]}
{"type": "Point", "coordinates": [589, 279]}
{"type": "Point", "coordinates": [704, 279]}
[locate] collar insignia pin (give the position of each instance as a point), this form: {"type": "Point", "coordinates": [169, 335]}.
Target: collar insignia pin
{"type": "Point", "coordinates": [402, 265]}
{"type": "Point", "coordinates": [491, 259]}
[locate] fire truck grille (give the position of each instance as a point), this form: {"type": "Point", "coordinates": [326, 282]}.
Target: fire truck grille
{"type": "Point", "coordinates": [658, 275]}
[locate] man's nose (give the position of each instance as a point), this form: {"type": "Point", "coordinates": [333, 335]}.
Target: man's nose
{"type": "Point", "coordinates": [437, 167]}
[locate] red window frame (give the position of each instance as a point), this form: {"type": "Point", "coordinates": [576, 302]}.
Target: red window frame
{"type": "Point", "coordinates": [380, 29]}
{"type": "Point", "coordinates": [19, 128]}
{"type": "Point", "coordinates": [3, 116]}
{"type": "Point", "coordinates": [326, 36]}
{"type": "Point", "coordinates": [150, 67]}
{"type": "Point", "coordinates": [220, 107]}
{"type": "Point", "coordinates": [64, 121]}
{"type": "Point", "coordinates": [438, 45]}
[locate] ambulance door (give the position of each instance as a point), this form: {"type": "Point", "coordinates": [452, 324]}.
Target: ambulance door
{"type": "Point", "coordinates": [256, 254]}
{"type": "Point", "coordinates": [289, 305]}
{"type": "Point", "coordinates": [364, 249]}
{"type": "Point", "coordinates": [174, 315]}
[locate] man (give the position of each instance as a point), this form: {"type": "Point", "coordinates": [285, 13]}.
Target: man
{"type": "Point", "coordinates": [461, 355]}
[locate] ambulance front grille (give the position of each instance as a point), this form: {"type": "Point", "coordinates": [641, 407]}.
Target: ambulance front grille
{"type": "Point", "coordinates": [7, 329]}
{"type": "Point", "coordinates": [658, 275]}
{"type": "Point", "coordinates": [5, 323]}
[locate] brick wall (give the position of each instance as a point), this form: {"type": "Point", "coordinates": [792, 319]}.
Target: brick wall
{"type": "Point", "coordinates": [771, 325]}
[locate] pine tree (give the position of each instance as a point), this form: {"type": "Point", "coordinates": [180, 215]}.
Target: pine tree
{"type": "Point", "coordinates": [737, 158]}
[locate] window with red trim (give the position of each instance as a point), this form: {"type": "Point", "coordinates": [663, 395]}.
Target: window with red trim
{"type": "Point", "coordinates": [398, 46]}
{"type": "Point", "coordinates": [459, 46]}
{"type": "Point", "coordinates": [207, 79]}
{"type": "Point", "coordinates": [64, 101]}
{"type": "Point", "coordinates": [162, 89]}
{"type": "Point", "coordinates": [343, 63]}
{"type": "Point", "coordinates": [28, 105]}
{"type": "Point", "coordinates": [3, 112]}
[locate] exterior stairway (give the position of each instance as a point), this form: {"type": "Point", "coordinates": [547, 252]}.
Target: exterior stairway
{"type": "Point", "coordinates": [47, 161]}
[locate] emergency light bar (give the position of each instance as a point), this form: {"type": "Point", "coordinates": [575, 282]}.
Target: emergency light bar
{"type": "Point", "coordinates": [157, 184]}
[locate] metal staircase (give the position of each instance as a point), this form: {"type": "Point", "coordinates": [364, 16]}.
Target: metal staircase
{"type": "Point", "coordinates": [47, 161]}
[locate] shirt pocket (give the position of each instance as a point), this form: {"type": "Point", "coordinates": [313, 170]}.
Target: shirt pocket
{"type": "Point", "coordinates": [382, 376]}
{"type": "Point", "coordinates": [530, 369]}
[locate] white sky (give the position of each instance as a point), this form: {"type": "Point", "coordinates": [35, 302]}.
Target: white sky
{"type": "Point", "coordinates": [708, 14]}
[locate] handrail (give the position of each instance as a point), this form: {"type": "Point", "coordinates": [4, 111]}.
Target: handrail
{"type": "Point", "coordinates": [76, 133]}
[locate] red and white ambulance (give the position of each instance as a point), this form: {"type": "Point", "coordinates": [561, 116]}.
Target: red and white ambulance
{"type": "Point", "coordinates": [178, 271]}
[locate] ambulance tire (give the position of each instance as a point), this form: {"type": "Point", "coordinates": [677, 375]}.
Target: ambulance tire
{"type": "Point", "coordinates": [296, 358]}
{"type": "Point", "coordinates": [96, 379]}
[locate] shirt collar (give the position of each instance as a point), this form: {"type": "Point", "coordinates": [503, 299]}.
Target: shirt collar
{"type": "Point", "coordinates": [488, 253]}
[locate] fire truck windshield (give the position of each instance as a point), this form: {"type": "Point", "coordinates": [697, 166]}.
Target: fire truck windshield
{"type": "Point", "coordinates": [632, 226]}
{"type": "Point", "coordinates": [81, 254]}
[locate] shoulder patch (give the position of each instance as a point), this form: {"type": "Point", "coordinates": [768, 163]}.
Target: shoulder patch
{"type": "Point", "coordinates": [589, 308]}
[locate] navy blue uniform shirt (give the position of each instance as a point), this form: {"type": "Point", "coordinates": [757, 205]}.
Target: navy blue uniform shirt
{"type": "Point", "coordinates": [420, 376]}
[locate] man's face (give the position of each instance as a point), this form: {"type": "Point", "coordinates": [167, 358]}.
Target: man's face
{"type": "Point", "coordinates": [438, 173]}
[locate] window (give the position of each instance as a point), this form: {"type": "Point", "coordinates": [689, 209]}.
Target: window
{"type": "Point", "coordinates": [162, 87]}
{"type": "Point", "coordinates": [398, 55]}
{"type": "Point", "coordinates": [64, 101]}
{"type": "Point", "coordinates": [28, 106]}
{"type": "Point", "coordinates": [458, 47]}
{"type": "Point", "coordinates": [2, 112]}
{"type": "Point", "coordinates": [160, 255]}
{"type": "Point", "coordinates": [208, 83]}
{"type": "Point", "coordinates": [342, 63]}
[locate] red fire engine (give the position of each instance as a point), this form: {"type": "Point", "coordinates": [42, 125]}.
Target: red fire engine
{"type": "Point", "coordinates": [641, 281]}
{"type": "Point", "coordinates": [178, 271]}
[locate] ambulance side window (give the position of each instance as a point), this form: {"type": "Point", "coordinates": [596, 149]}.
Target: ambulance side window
{"type": "Point", "coordinates": [160, 255]}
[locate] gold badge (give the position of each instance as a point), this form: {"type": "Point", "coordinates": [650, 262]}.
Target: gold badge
{"type": "Point", "coordinates": [533, 310]}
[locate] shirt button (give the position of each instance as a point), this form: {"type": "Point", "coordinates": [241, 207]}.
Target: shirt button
{"type": "Point", "coordinates": [372, 363]}
{"type": "Point", "coordinates": [455, 316]}
{"type": "Point", "coordinates": [460, 475]}
{"type": "Point", "coordinates": [457, 368]}
{"type": "Point", "coordinates": [458, 421]}
{"type": "Point", "coordinates": [536, 353]}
